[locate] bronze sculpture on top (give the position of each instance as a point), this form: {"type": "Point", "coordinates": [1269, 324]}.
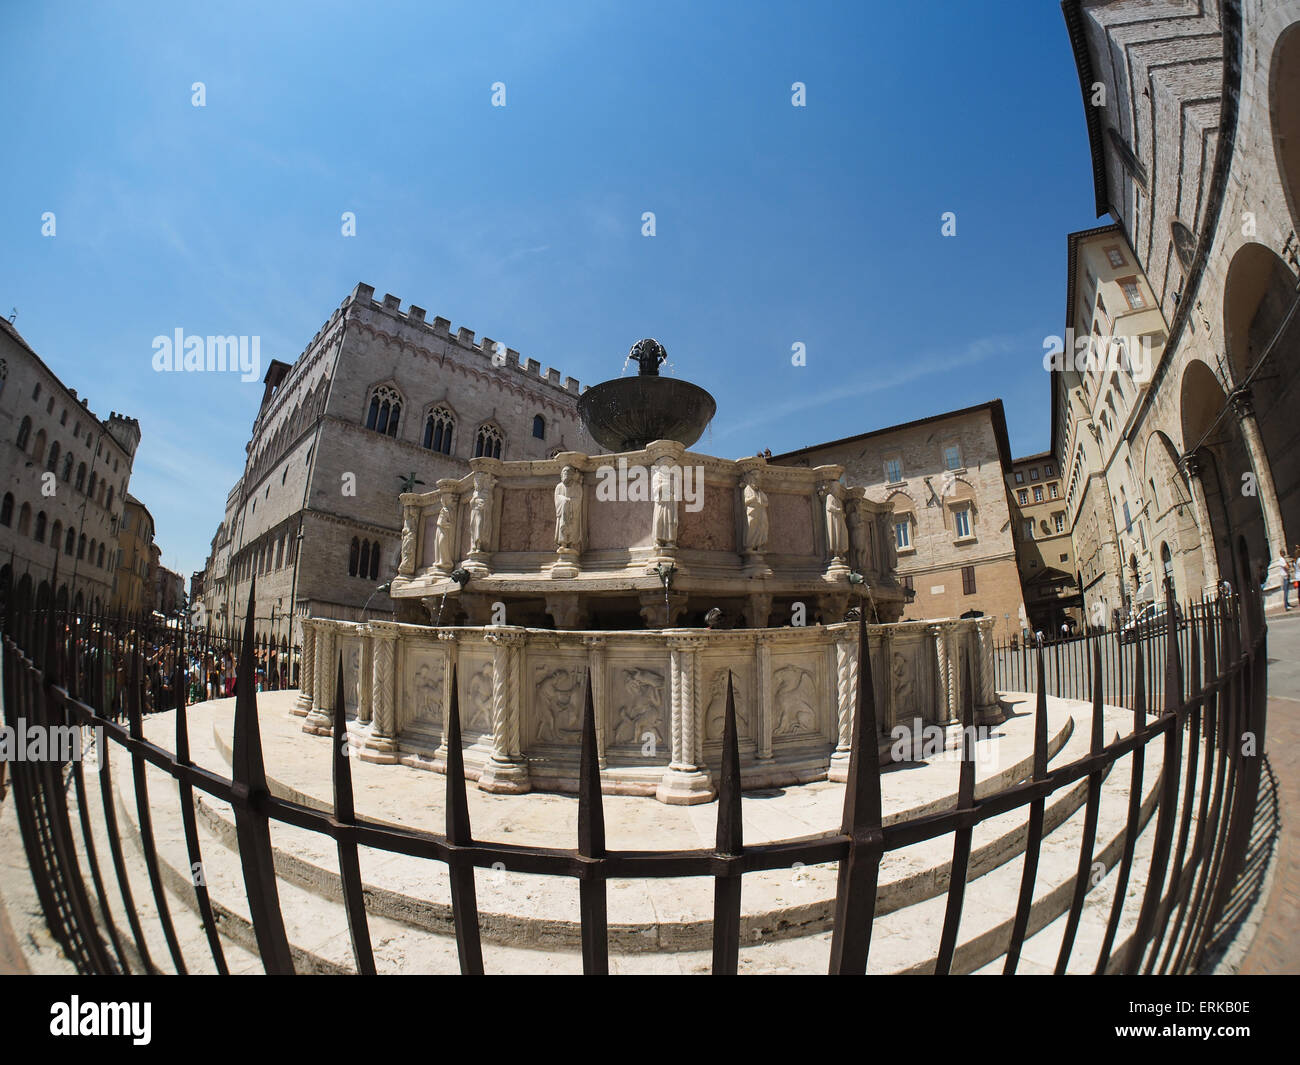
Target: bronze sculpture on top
{"type": "Point", "coordinates": [627, 413]}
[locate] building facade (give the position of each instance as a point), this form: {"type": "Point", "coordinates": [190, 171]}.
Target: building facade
{"type": "Point", "coordinates": [133, 578]}
{"type": "Point", "coordinates": [381, 401]}
{"type": "Point", "coordinates": [945, 477]}
{"type": "Point", "coordinates": [1044, 550]}
{"type": "Point", "coordinates": [66, 483]}
{"type": "Point", "coordinates": [1193, 120]}
{"type": "Point", "coordinates": [169, 592]}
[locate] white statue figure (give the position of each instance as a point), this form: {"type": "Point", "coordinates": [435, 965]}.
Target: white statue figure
{"type": "Point", "coordinates": [407, 563]}
{"type": "Point", "coordinates": [755, 500]}
{"type": "Point", "coordinates": [889, 540]}
{"type": "Point", "coordinates": [442, 551]}
{"type": "Point", "coordinates": [568, 509]}
{"type": "Point", "coordinates": [837, 533]}
{"type": "Point", "coordinates": [664, 490]}
{"type": "Point", "coordinates": [857, 540]}
{"type": "Point", "coordinates": [480, 513]}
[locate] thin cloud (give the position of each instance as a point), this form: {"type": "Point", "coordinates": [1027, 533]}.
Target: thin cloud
{"type": "Point", "coordinates": [909, 371]}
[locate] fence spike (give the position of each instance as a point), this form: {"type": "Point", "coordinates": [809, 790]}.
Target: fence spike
{"type": "Point", "coordinates": [249, 779]}
{"type": "Point", "coordinates": [592, 898]}
{"type": "Point", "coordinates": [729, 842]}
{"type": "Point", "coordinates": [354, 901]}
{"type": "Point", "coordinates": [855, 894]}
{"type": "Point", "coordinates": [464, 899]}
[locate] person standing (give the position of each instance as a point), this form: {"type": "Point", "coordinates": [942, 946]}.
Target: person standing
{"type": "Point", "coordinates": [1288, 575]}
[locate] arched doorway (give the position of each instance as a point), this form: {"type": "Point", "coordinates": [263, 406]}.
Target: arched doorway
{"type": "Point", "coordinates": [1284, 109]}
{"type": "Point", "coordinates": [1259, 294]}
{"type": "Point", "coordinates": [1217, 452]}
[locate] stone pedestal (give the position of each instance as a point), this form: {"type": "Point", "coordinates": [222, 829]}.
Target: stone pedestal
{"type": "Point", "coordinates": [758, 611]}
{"type": "Point", "coordinates": [660, 611]}
{"type": "Point", "coordinates": [833, 606]}
{"type": "Point", "coordinates": [565, 565]}
{"type": "Point", "coordinates": [478, 609]}
{"type": "Point", "coordinates": [568, 611]}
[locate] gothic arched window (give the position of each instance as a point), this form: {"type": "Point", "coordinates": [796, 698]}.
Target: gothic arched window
{"type": "Point", "coordinates": [488, 442]}
{"type": "Point", "coordinates": [7, 509]}
{"type": "Point", "coordinates": [52, 463]}
{"type": "Point", "coordinates": [353, 556]}
{"type": "Point", "coordinates": [81, 477]}
{"type": "Point", "coordinates": [438, 426]}
{"type": "Point", "coordinates": [374, 561]}
{"type": "Point", "coordinates": [365, 557]}
{"type": "Point", "coordinates": [539, 427]}
{"type": "Point", "coordinates": [24, 431]}
{"type": "Point", "coordinates": [384, 411]}
{"type": "Point", "coordinates": [67, 467]}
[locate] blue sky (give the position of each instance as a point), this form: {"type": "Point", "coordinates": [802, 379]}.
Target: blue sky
{"type": "Point", "coordinates": [775, 224]}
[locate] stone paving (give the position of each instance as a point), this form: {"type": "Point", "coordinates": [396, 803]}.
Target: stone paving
{"type": "Point", "coordinates": [1276, 947]}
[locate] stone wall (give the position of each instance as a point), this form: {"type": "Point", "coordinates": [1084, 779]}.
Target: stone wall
{"type": "Point", "coordinates": [660, 697]}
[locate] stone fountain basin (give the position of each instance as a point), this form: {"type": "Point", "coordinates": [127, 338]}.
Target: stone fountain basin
{"type": "Point", "coordinates": [628, 413]}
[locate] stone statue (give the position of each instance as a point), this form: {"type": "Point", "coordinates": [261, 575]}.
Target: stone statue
{"type": "Point", "coordinates": [755, 500]}
{"type": "Point", "coordinates": [442, 541]}
{"type": "Point", "coordinates": [889, 541]}
{"type": "Point", "coordinates": [663, 489]}
{"type": "Point", "coordinates": [837, 533]}
{"type": "Point", "coordinates": [568, 509]}
{"type": "Point", "coordinates": [407, 563]}
{"type": "Point", "coordinates": [480, 513]}
{"type": "Point", "coordinates": [648, 354]}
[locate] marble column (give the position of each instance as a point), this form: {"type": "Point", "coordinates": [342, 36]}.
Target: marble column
{"type": "Point", "coordinates": [321, 719]}
{"type": "Point", "coordinates": [506, 771]}
{"type": "Point", "coordinates": [1243, 407]}
{"type": "Point", "coordinates": [846, 676]}
{"type": "Point", "coordinates": [1201, 515]}
{"type": "Point", "coordinates": [987, 710]}
{"type": "Point", "coordinates": [596, 677]}
{"type": "Point", "coordinates": [943, 686]}
{"type": "Point", "coordinates": [365, 679]}
{"type": "Point", "coordinates": [381, 740]}
{"type": "Point", "coordinates": [686, 781]}
{"type": "Point", "coordinates": [450, 644]}
{"type": "Point", "coordinates": [306, 668]}
{"type": "Point", "coordinates": [763, 672]}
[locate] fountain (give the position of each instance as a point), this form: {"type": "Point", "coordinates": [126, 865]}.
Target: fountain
{"type": "Point", "coordinates": [627, 413]}
{"type": "Point", "coordinates": [657, 572]}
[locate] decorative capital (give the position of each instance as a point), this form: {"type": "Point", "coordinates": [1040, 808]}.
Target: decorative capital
{"type": "Point", "coordinates": [505, 637]}
{"type": "Point", "coordinates": [1243, 403]}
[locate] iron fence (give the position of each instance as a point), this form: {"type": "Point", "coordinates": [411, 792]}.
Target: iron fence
{"type": "Point", "coordinates": [54, 668]}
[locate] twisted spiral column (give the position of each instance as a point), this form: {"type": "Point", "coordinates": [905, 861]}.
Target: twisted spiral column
{"type": "Point", "coordinates": [507, 769]}
{"type": "Point", "coordinates": [306, 668]}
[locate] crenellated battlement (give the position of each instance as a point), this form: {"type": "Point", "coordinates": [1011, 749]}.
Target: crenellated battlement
{"type": "Point", "coordinates": [364, 296]}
